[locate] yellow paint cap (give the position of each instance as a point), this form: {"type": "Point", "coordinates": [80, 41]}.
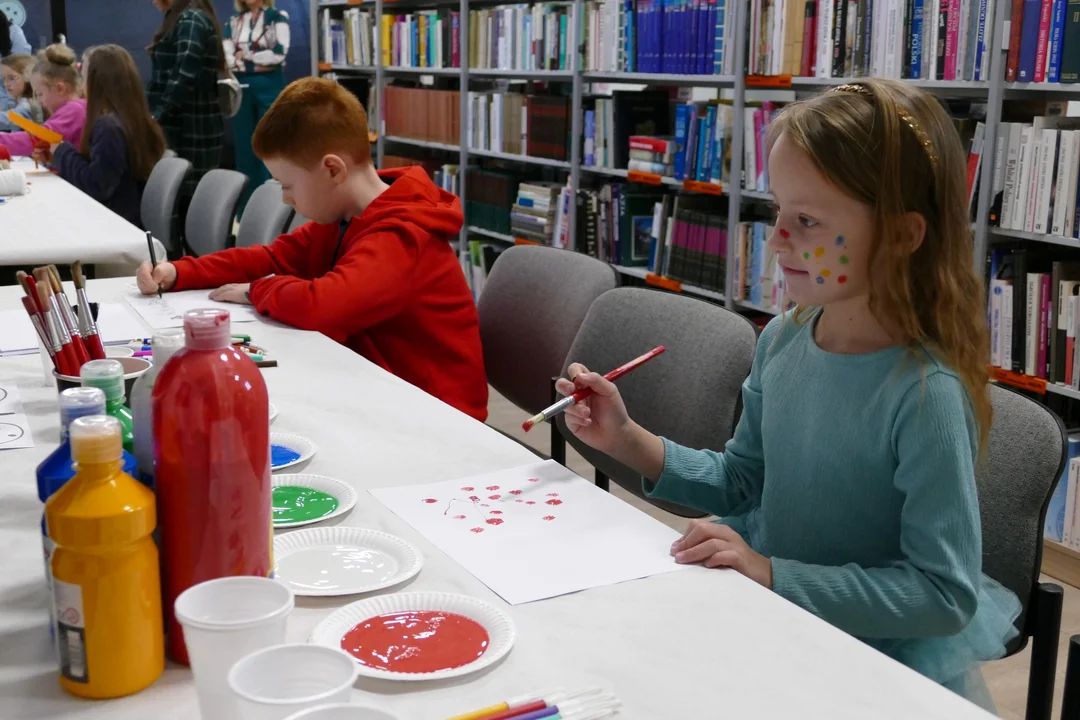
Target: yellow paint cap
{"type": "Point", "coordinates": [96, 439]}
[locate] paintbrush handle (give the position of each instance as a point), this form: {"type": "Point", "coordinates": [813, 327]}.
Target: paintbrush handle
{"type": "Point", "coordinates": [620, 371]}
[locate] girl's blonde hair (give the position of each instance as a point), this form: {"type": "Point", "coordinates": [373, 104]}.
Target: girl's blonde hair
{"type": "Point", "coordinates": [56, 63]}
{"type": "Point", "coordinates": [894, 148]}
{"type": "Point", "coordinates": [24, 65]}
{"type": "Point", "coordinates": [241, 7]}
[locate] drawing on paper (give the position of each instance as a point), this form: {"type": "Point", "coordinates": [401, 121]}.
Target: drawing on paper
{"type": "Point", "coordinates": [504, 507]}
{"type": "Point", "coordinates": [10, 433]}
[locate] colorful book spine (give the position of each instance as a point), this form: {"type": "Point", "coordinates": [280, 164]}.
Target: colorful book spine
{"type": "Point", "coordinates": [705, 145]}
{"type": "Point", "coordinates": [682, 129]}
{"type": "Point", "coordinates": [718, 36]}
{"type": "Point", "coordinates": [1057, 32]}
{"type": "Point", "coordinates": [590, 131]}
{"type": "Point", "coordinates": [1028, 40]}
{"type": "Point", "coordinates": [1042, 41]}
{"type": "Point", "coordinates": [916, 50]}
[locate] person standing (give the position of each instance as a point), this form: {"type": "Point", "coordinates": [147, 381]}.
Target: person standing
{"type": "Point", "coordinates": [256, 43]}
{"type": "Point", "coordinates": [187, 57]}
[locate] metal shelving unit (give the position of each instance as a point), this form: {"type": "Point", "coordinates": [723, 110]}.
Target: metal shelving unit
{"type": "Point", "coordinates": [1035, 237]}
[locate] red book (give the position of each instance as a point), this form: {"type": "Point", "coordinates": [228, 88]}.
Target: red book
{"type": "Point", "coordinates": [455, 40]}
{"type": "Point", "coordinates": [652, 144]}
{"type": "Point", "coordinates": [972, 170]}
{"type": "Point", "coordinates": [952, 36]}
{"type": "Point", "coordinates": [809, 40]}
{"type": "Point", "coordinates": [1015, 23]}
{"type": "Point", "coordinates": [1044, 315]}
{"type": "Point", "coordinates": [1043, 42]}
{"type": "Point", "coordinates": [1070, 346]}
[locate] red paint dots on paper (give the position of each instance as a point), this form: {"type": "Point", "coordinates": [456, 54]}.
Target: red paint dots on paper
{"type": "Point", "coordinates": [496, 496]}
{"type": "Point", "coordinates": [496, 512]}
{"type": "Point", "coordinates": [549, 517]}
{"type": "Point", "coordinates": [553, 494]}
{"type": "Point", "coordinates": [530, 502]}
{"type": "Point", "coordinates": [459, 517]}
{"type": "Point", "coordinates": [492, 487]}
{"type": "Point", "coordinates": [477, 530]}
{"type": "Point", "coordinates": [555, 501]}
{"type": "Point", "coordinates": [430, 500]}
{"type": "Point", "coordinates": [519, 501]}
{"type": "Point", "coordinates": [484, 505]}
{"type": "Point", "coordinates": [494, 521]}
{"type": "Point", "coordinates": [534, 479]}
{"type": "Point", "coordinates": [467, 489]}
{"type": "Point", "coordinates": [473, 498]}
{"type": "Point", "coordinates": [515, 492]}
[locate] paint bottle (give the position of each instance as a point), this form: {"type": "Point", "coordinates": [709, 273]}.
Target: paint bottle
{"type": "Point", "coordinates": [109, 376]}
{"type": "Point", "coordinates": [106, 584]}
{"type": "Point", "coordinates": [166, 343]}
{"type": "Point", "coordinates": [57, 469]}
{"type": "Point", "coordinates": [211, 463]}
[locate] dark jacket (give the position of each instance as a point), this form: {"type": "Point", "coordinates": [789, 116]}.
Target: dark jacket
{"type": "Point", "coordinates": [106, 175]}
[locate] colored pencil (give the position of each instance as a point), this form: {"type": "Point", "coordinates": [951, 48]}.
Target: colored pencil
{"type": "Point", "coordinates": [580, 395]}
{"type": "Point", "coordinates": [87, 324]}
{"type": "Point", "coordinates": [153, 258]}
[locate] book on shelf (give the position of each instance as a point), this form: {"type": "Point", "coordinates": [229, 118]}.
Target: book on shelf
{"type": "Point", "coordinates": [758, 277]}
{"type": "Point", "coordinates": [491, 195]}
{"type": "Point", "coordinates": [610, 122]}
{"type": "Point", "coordinates": [498, 122]}
{"type": "Point", "coordinates": [912, 39]}
{"type": "Point", "coordinates": [422, 39]}
{"type": "Point", "coordinates": [548, 123]}
{"type": "Point", "coordinates": [617, 223]}
{"type": "Point", "coordinates": [679, 37]}
{"type": "Point", "coordinates": [1061, 515]}
{"type": "Point", "coordinates": [533, 215]}
{"type": "Point", "coordinates": [421, 114]}
{"type": "Point", "coordinates": [349, 39]}
{"type": "Point", "coordinates": [756, 121]}
{"type": "Point", "coordinates": [521, 37]}
{"type": "Point", "coordinates": [477, 261]}
{"type": "Point", "coordinates": [1044, 42]}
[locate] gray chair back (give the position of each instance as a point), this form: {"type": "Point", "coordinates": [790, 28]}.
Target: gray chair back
{"type": "Point", "coordinates": [212, 210]}
{"type": "Point", "coordinates": [297, 221]}
{"type": "Point", "coordinates": [169, 153]}
{"type": "Point", "coordinates": [1025, 457]}
{"type": "Point", "coordinates": [690, 394]}
{"type": "Point", "coordinates": [525, 333]}
{"type": "Point", "coordinates": [159, 200]}
{"type": "Point", "coordinates": [265, 216]}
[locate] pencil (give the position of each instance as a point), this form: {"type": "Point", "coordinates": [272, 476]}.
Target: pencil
{"type": "Point", "coordinates": [153, 258]}
{"type": "Point", "coordinates": [580, 395]}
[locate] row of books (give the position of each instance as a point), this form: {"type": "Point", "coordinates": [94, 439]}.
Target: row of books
{"type": "Point", "coordinates": [535, 125]}
{"type": "Point", "coordinates": [615, 223]}
{"type": "Point", "coordinates": [349, 39]}
{"type": "Point", "coordinates": [687, 37]}
{"type": "Point", "coordinates": [522, 37]}
{"type": "Point", "coordinates": [420, 114]}
{"type": "Point", "coordinates": [689, 241]}
{"type": "Point", "coordinates": [491, 194]}
{"type": "Point", "coordinates": [1062, 523]}
{"type": "Point", "coordinates": [477, 261]}
{"type": "Point", "coordinates": [909, 39]}
{"type": "Point", "coordinates": [1036, 176]}
{"type": "Point", "coordinates": [1034, 314]}
{"type": "Point", "coordinates": [424, 39]}
{"type": "Point", "coordinates": [1044, 42]}
{"type": "Point", "coordinates": [534, 214]}
{"type": "Point", "coordinates": [444, 176]}
{"type": "Point", "coordinates": [758, 277]}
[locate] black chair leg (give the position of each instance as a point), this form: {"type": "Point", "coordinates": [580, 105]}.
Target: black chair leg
{"type": "Point", "coordinates": [602, 481]}
{"type": "Point", "coordinates": [1044, 648]}
{"type": "Point", "coordinates": [1070, 704]}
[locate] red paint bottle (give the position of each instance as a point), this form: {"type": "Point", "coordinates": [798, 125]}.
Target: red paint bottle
{"type": "Point", "coordinates": [212, 465]}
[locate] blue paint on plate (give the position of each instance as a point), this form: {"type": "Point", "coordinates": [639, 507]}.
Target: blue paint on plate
{"type": "Point", "coordinates": [281, 455]}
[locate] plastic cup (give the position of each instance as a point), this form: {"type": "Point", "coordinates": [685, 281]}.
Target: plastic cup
{"type": "Point", "coordinates": [133, 368]}
{"type": "Point", "coordinates": [225, 620]}
{"type": "Point", "coordinates": [342, 711]}
{"type": "Point", "coordinates": [274, 683]}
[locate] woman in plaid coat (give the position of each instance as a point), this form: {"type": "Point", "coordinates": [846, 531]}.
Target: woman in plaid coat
{"type": "Point", "coordinates": [187, 57]}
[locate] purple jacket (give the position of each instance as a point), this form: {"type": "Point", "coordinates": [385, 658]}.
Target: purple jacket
{"type": "Point", "coordinates": [68, 121]}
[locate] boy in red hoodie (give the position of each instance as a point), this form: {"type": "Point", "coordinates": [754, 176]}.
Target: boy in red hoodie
{"type": "Point", "coordinates": [374, 269]}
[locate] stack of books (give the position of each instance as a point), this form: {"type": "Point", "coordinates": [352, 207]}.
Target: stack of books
{"type": "Point", "coordinates": [533, 215]}
{"type": "Point", "coordinates": [685, 37]}
{"type": "Point", "coordinates": [651, 155]}
{"type": "Point", "coordinates": [916, 39]}
{"type": "Point", "coordinates": [609, 123]}
{"type": "Point", "coordinates": [758, 277]}
{"type": "Point", "coordinates": [424, 39]}
{"type": "Point", "coordinates": [349, 40]}
{"type": "Point", "coordinates": [521, 37]}
{"type": "Point", "coordinates": [420, 114]}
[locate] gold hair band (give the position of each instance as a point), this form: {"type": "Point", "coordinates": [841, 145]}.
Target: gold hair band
{"type": "Point", "coordinates": [907, 117]}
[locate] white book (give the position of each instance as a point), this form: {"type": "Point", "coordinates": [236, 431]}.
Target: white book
{"type": "Point", "coordinates": [1007, 326]}
{"type": "Point", "coordinates": [1072, 171]}
{"type": "Point", "coordinates": [485, 136]}
{"type": "Point", "coordinates": [1070, 331]}
{"type": "Point", "coordinates": [891, 36]}
{"type": "Point", "coordinates": [995, 321]}
{"type": "Point", "coordinates": [1031, 323]}
{"type": "Point", "coordinates": [1023, 178]}
{"type": "Point", "coordinates": [1012, 175]}
{"type": "Point", "coordinates": [496, 122]}
{"type": "Point", "coordinates": [1049, 143]}
{"type": "Point", "coordinates": [1068, 534]}
{"type": "Point", "coordinates": [471, 120]}
{"type": "Point", "coordinates": [961, 40]}
{"type": "Point", "coordinates": [824, 39]}
{"type": "Point", "coordinates": [988, 32]}
{"type": "Point", "coordinates": [927, 40]}
{"type": "Point", "coordinates": [1038, 156]}
{"type": "Point", "coordinates": [931, 29]}
{"type": "Point", "coordinates": [749, 148]}
{"type": "Point", "coordinates": [1061, 182]}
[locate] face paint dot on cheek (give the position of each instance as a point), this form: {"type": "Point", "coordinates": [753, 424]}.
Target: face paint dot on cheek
{"type": "Point", "coordinates": [806, 256]}
{"type": "Point", "coordinates": [843, 260]}
{"type": "Point", "coordinates": [819, 251]}
{"type": "Point", "coordinates": [839, 240]}
{"type": "Point", "coordinates": [784, 233]}
{"type": "Point", "coordinates": [820, 280]}
{"type": "Point", "coordinates": [842, 279]}
{"type": "Point", "coordinates": [825, 273]}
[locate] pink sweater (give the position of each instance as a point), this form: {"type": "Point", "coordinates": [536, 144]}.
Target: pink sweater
{"type": "Point", "coordinates": [68, 121]}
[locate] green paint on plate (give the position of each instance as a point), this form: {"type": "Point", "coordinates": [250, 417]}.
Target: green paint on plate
{"type": "Point", "coordinates": [293, 504]}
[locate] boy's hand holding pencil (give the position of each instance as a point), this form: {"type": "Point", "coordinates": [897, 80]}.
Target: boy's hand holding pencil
{"type": "Point", "coordinates": [151, 279]}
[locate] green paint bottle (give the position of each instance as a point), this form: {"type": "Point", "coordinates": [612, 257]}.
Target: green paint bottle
{"type": "Point", "coordinates": [108, 376]}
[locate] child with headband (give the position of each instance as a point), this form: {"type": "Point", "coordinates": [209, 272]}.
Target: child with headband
{"type": "Point", "coordinates": [849, 485]}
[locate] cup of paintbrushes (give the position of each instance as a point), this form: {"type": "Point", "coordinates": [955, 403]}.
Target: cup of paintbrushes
{"type": "Point", "coordinates": [133, 368]}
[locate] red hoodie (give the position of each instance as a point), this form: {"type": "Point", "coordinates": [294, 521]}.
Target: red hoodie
{"type": "Point", "coordinates": [396, 294]}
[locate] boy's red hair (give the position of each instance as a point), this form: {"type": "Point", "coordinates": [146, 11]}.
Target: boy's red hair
{"type": "Point", "coordinates": [313, 117]}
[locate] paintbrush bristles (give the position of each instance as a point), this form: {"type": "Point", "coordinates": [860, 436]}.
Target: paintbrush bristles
{"type": "Point", "coordinates": [22, 277]}
{"type": "Point", "coordinates": [76, 275]}
{"type": "Point", "coordinates": [54, 279]}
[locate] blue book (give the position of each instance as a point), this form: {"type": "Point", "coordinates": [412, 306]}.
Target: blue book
{"type": "Point", "coordinates": [662, 20]}
{"type": "Point", "coordinates": [690, 44]}
{"type": "Point", "coordinates": [1054, 528]}
{"type": "Point", "coordinates": [757, 263]}
{"type": "Point", "coordinates": [980, 42]}
{"type": "Point", "coordinates": [1057, 29]}
{"type": "Point", "coordinates": [916, 38]}
{"type": "Point", "coordinates": [639, 26]}
{"type": "Point", "coordinates": [590, 134]}
{"type": "Point", "coordinates": [414, 25]}
{"type": "Point", "coordinates": [1029, 39]}
{"type": "Point", "coordinates": [628, 40]}
{"type": "Point", "coordinates": [707, 37]}
{"type": "Point", "coordinates": [682, 130]}
{"type": "Point", "coordinates": [705, 145]}
{"type": "Point", "coordinates": [867, 30]}
{"type": "Point", "coordinates": [719, 136]}
{"type": "Point", "coordinates": [562, 42]}
{"type": "Point", "coordinates": [718, 37]}
{"type": "Point", "coordinates": [692, 133]}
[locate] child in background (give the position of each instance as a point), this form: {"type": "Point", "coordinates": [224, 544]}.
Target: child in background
{"type": "Point", "coordinates": [15, 73]}
{"type": "Point", "coordinates": [375, 270]}
{"type": "Point", "coordinates": [56, 86]}
{"type": "Point", "coordinates": [120, 142]}
{"type": "Point", "coordinates": [849, 485]}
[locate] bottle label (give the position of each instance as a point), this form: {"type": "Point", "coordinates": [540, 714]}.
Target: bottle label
{"type": "Point", "coordinates": [71, 631]}
{"type": "Point", "coordinates": [48, 546]}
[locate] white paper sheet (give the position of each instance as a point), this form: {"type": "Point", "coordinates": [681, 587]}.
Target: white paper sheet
{"type": "Point", "coordinates": [17, 335]}
{"type": "Point", "coordinates": [9, 400]}
{"type": "Point", "coordinates": [15, 432]}
{"type": "Point", "coordinates": [116, 324]}
{"type": "Point", "coordinates": [536, 531]}
{"type": "Point", "coordinates": [168, 310]}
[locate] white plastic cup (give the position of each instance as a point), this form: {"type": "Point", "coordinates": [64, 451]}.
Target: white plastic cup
{"type": "Point", "coordinates": [342, 711]}
{"type": "Point", "coordinates": [224, 620]}
{"type": "Point", "coordinates": [276, 682]}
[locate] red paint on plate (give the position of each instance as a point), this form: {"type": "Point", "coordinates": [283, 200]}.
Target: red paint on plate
{"type": "Point", "coordinates": [530, 502]}
{"type": "Point", "coordinates": [555, 501]}
{"type": "Point", "coordinates": [496, 512]}
{"type": "Point", "coordinates": [416, 641]}
{"type": "Point", "coordinates": [494, 521]}
{"type": "Point", "coordinates": [553, 494]}
{"type": "Point", "coordinates": [473, 498]}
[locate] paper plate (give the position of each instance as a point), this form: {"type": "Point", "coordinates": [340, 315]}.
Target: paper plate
{"type": "Point", "coordinates": [342, 560]}
{"type": "Point", "coordinates": [499, 627]}
{"type": "Point", "coordinates": [344, 493]}
{"type": "Point", "coordinates": [299, 445]}
{"type": "Point", "coordinates": [273, 412]}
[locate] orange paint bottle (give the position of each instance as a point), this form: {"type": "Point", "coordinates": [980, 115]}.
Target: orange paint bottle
{"type": "Point", "coordinates": [107, 584]}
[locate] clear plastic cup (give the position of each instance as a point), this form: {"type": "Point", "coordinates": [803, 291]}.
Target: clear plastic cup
{"type": "Point", "coordinates": [224, 620]}
{"type": "Point", "coordinates": [342, 711]}
{"type": "Point", "coordinates": [276, 682]}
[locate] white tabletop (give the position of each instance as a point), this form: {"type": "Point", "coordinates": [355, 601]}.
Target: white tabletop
{"type": "Point", "coordinates": [57, 223]}
{"type": "Point", "coordinates": [700, 643]}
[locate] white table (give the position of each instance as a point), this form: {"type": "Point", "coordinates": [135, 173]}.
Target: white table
{"type": "Point", "coordinates": [700, 643]}
{"type": "Point", "coordinates": [58, 223]}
